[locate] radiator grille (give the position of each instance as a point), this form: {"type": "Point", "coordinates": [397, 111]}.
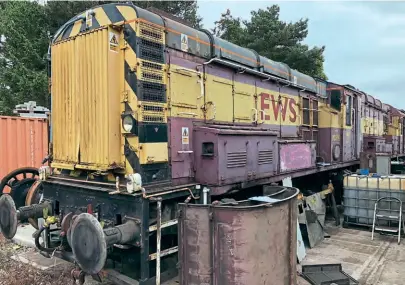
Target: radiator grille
{"type": "Point", "coordinates": [149, 53]}
{"type": "Point", "coordinates": [153, 119]}
{"type": "Point", "coordinates": [151, 108]}
{"type": "Point", "coordinates": [151, 65]}
{"type": "Point", "coordinates": [151, 88]}
{"type": "Point", "coordinates": [236, 159]}
{"type": "Point", "coordinates": [151, 42]}
{"type": "Point", "coordinates": [151, 91]}
{"type": "Point", "coordinates": [265, 157]}
{"type": "Point", "coordinates": [151, 32]}
{"type": "Point", "coordinates": [151, 76]}
{"type": "Point", "coordinates": [151, 71]}
{"type": "Point", "coordinates": [153, 113]}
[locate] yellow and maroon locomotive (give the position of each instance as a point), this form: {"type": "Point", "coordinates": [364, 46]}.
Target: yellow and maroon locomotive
{"type": "Point", "coordinates": [148, 112]}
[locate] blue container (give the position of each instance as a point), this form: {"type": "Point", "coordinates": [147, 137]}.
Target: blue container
{"type": "Point", "coordinates": [364, 171]}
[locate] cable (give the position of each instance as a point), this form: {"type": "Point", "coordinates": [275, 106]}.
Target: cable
{"type": "Point", "coordinates": [39, 246]}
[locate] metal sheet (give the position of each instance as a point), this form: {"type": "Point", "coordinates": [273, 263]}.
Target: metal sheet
{"type": "Point", "coordinates": [359, 135]}
{"type": "Point", "coordinates": [383, 165]}
{"type": "Point", "coordinates": [23, 143]}
{"type": "Point", "coordinates": [230, 51]}
{"type": "Point", "coordinates": [321, 88]}
{"type": "Point", "coordinates": [276, 68]}
{"type": "Point", "coordinates": [301, 252]}
{"type": "Point", "coordinates": [86, 100]}
{"type": "Point", "coordinates": [322, 274]}
{"type": "Point", "coordinates": [304, 80]}
{"type": "Point", "coordinates": [310, 227]}
{"type": "Point", "coordinates": [232, 159]}
{"type": "Point", "coordinates": [298, 155]}
{"type": "Point", "coordinates": [264, 199]}
{"type": "Point", "coordinates": [237, 244]}
{"type": "Point", "coordinates": [187, 39]}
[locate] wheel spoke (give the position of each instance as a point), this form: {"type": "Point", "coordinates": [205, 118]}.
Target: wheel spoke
{"type": "Point", "coordinates": [10, 183]}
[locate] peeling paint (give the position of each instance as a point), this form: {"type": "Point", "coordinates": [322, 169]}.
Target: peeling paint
{"type": "Point", "coordinates": [296, 156]}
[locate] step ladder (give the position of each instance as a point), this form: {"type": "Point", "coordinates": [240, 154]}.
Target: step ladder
{"type": "Point", "coordinates": [158, 228]}
{"type": "Point", "coordinates": [380, 215]}
{"type": "Point", "coordinates": [146, 258]}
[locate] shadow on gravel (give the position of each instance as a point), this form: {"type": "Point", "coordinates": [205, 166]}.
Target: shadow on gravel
{"type": "Point", "coordinates": [13, 272]}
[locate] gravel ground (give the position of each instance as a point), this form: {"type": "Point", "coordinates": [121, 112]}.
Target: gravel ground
{"type": "Point", "coordinates": [13, 272]}
{"type": "Point", "coordinates": [17, 273]}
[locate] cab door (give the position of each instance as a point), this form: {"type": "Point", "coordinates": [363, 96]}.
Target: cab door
{"type": "Point", "coordinates": [244, 103]}
{"type": "Point", "coordinates": [355, 126]}
{"type": "Point", "coordinates": [218, 95]}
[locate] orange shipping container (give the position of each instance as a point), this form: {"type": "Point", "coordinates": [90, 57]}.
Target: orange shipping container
{"type": "Point", "coordinates": [23, 143]}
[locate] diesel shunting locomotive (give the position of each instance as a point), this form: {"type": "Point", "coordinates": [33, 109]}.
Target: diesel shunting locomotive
{"type": "Point", "coordinates": [147, 113]}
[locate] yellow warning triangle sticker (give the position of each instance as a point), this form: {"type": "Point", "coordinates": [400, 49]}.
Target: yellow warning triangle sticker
{"type": "Point", "coordinates": [114, 40]}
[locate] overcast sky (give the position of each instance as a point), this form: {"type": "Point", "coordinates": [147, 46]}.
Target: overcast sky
{"type": "Point", "coordinates": [365, 41]}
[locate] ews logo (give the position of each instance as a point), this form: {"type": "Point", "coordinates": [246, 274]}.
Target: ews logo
{"type": "Point", "coordinates": [278, 108]}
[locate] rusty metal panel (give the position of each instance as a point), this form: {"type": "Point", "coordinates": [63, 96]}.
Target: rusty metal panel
{"type": "Point", "coordinates": [297, 155]}
{"type": "Point", "coordinates": [374, 144]}
{"type": "Point", "coordinates": [86, 100]}
{"type": "Point", "coordinates": [248, 243]}
{"type": "Point", "coordinates": [348, 144]}
{"type": "Point", "coordinates": [23, 143]}
{"type": "Point", "coordinates": [325, 145]}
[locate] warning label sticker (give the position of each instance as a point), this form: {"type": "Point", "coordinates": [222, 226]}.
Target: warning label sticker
{"type": "Point", "coordinates": [113, 40]}
{"type": "Point", "coordinates": [184, 135]}
{"type": "Point", "coordinates": [184, 42]}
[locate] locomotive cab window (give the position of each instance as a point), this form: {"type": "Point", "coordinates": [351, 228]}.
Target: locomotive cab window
{"type": "Point", "coordinates": [315, 113]}
{"type": "Point", "coordinates": [309, 112]}
{"type": "Point", "coordinates": [349, 111]}
{"type": "Point", "coordinates": [335, 99]}
{"type": "Point", "coordinates": [305, 111]}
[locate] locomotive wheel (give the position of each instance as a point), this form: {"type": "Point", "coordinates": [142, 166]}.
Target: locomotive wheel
{"type": "Point", "coordinates": [34, 197]}
{"type": "Point", "coordinates": [34, 193]}
{"type": "Point", "coordinates": [18, 182]}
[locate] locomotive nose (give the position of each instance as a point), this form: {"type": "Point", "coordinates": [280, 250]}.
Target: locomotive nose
{"type": "Point", "coordinates": [8, 216]}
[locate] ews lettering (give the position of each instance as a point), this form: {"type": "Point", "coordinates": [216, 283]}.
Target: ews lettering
{"type": "Point", "coordinates": [278, 106]}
